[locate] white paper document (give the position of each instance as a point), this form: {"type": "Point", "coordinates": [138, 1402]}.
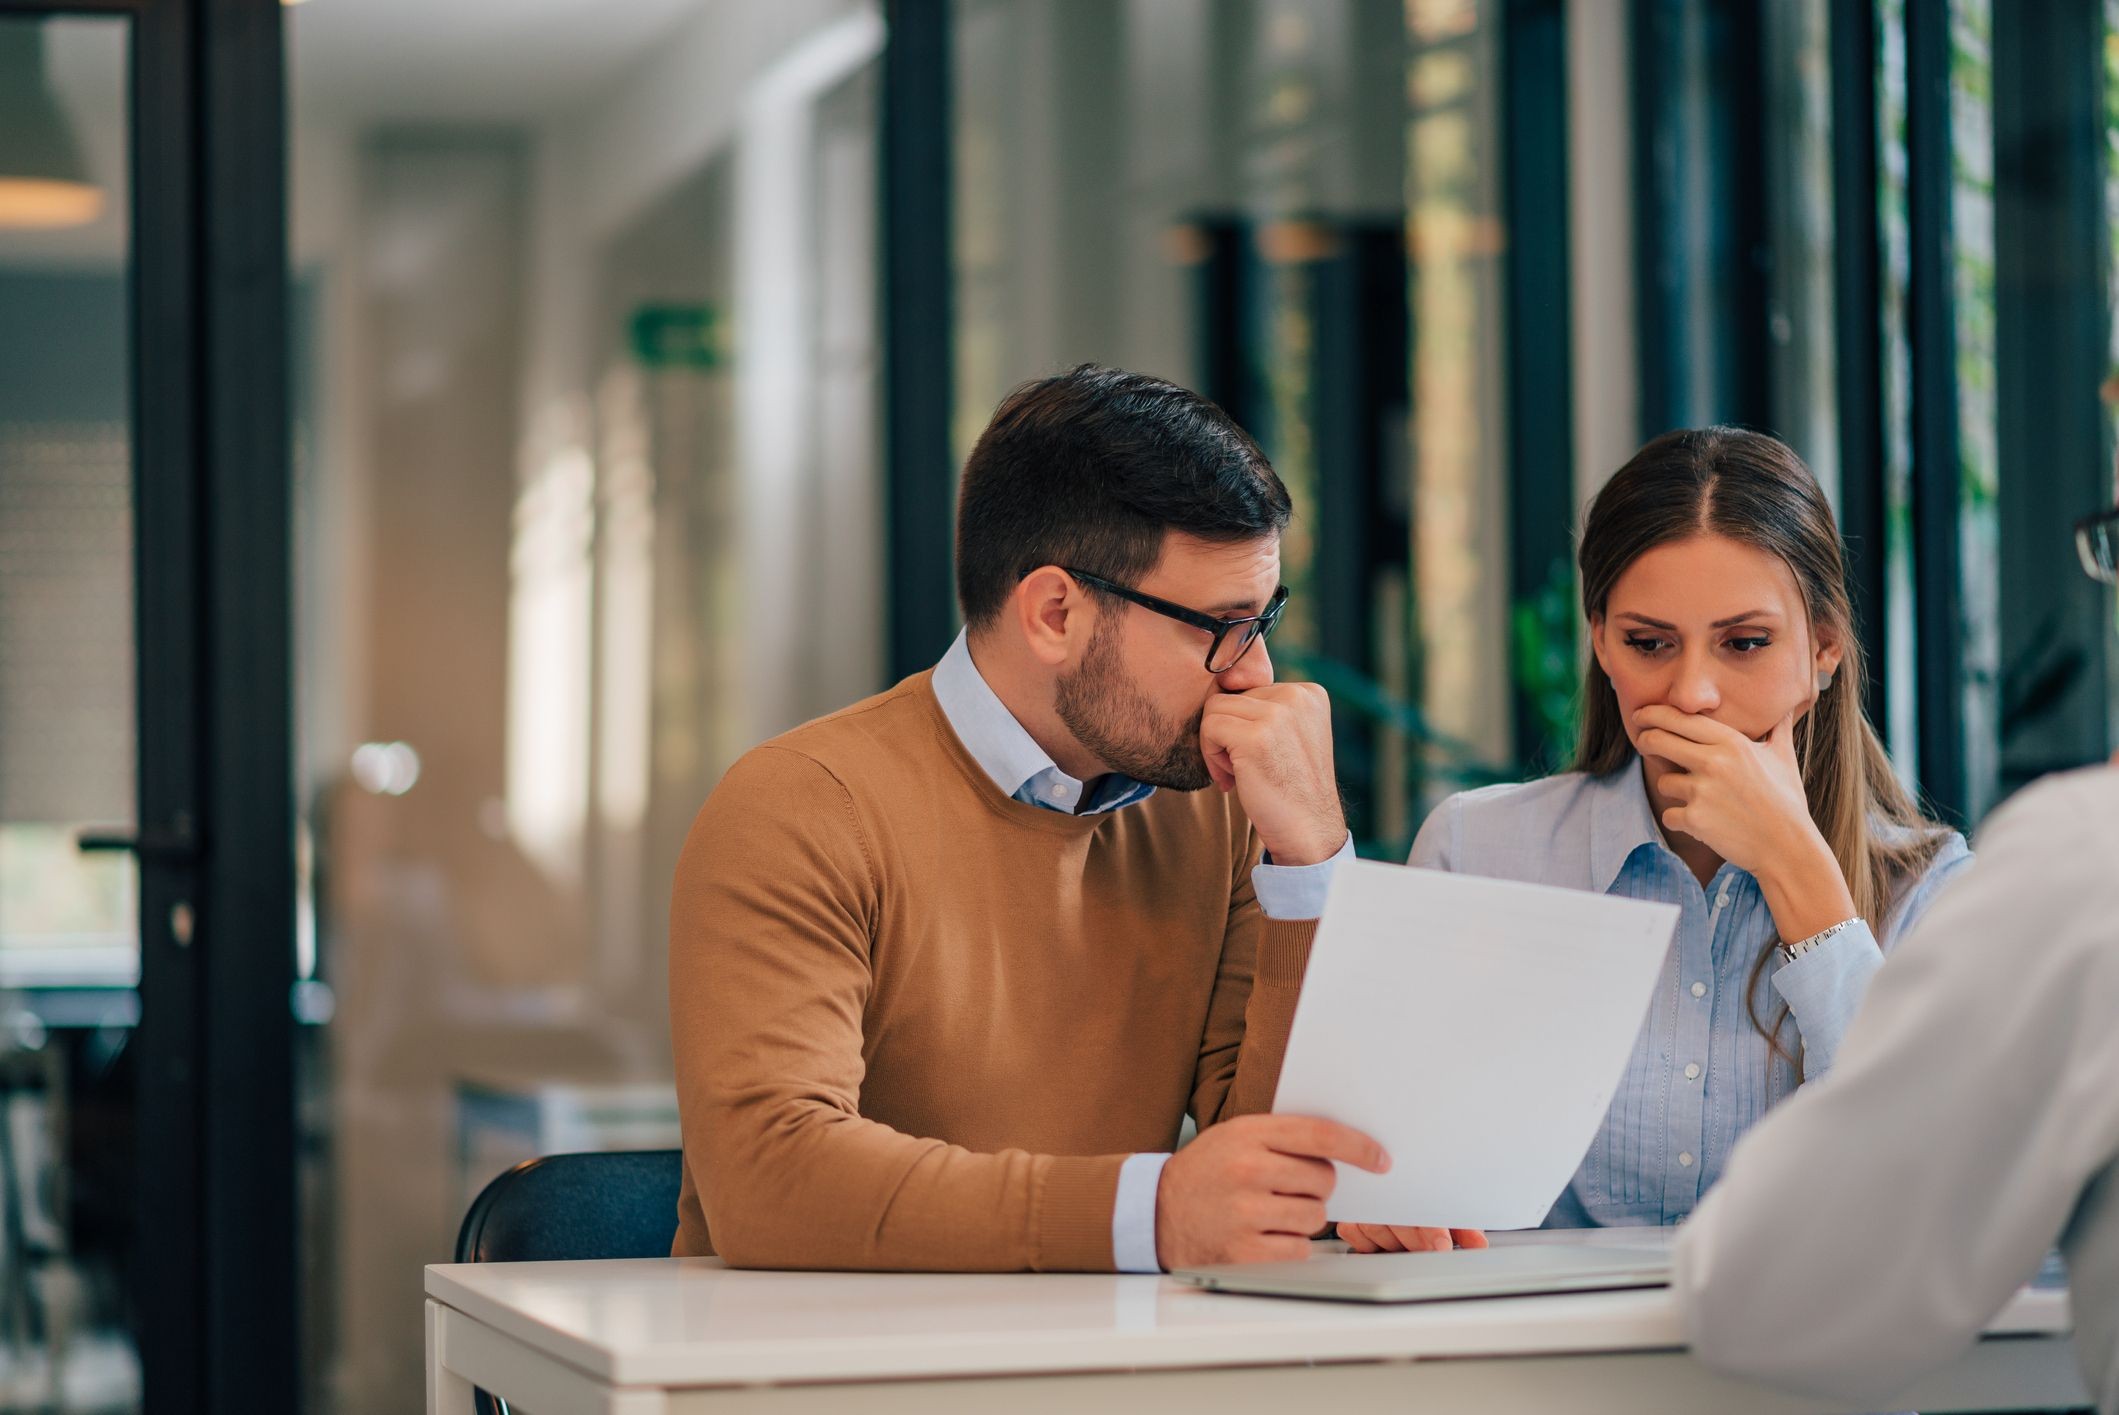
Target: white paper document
{"type": "Point", "coordinates": [1476, 1028]}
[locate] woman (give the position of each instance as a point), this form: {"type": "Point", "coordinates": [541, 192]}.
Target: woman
{"type": "Point", "coordinates": [1725, 766]}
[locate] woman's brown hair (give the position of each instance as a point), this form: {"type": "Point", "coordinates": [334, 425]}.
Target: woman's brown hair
{"type": "Point", "coordinates": [1752, 488]}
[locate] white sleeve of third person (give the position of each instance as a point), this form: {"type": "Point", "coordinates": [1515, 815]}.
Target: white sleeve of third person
{"type": "Point", "coordinates": [1868, 1229]}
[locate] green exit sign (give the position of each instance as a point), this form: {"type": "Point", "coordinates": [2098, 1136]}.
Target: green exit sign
{"type": "Point", "coordinates": [678, 336]}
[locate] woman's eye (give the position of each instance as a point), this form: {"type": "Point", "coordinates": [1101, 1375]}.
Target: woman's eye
{"type": "Point", "coordinates": [1750, 644]}
{"type": "Point", "coordinates": [1645, 644]}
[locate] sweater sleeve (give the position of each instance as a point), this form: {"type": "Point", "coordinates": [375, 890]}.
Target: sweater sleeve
{"type": "Point", "coordinates": [771, 921]}
{"type": "Point", "coordinates": [1252, 1006]}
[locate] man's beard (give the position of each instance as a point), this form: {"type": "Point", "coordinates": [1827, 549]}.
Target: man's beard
{"type": "Point", "coordinates": [1113, 719]}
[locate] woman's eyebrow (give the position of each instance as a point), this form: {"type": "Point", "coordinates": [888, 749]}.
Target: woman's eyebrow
{"type": "Point", "coordinates": [1749, 615]}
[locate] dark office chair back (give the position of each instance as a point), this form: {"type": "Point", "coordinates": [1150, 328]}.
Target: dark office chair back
{"type": "Point", "coordinates": [559, 1208]}
{"type": "Point", "coordinates": [563, 1208]}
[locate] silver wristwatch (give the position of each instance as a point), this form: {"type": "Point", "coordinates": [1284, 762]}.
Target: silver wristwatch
{"type": "Point", "coordinates": [1792, 951]}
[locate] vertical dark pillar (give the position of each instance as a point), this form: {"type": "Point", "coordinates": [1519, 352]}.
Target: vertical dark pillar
{"type": "Point", "coordinates": [246, 926]}
{"type": "Point", "coordinates": [1359, 372]}
{"type": "Point", "coordinates": [1699, 214]}
{"type": "Point", "coordinates": [919, 329]}
{"type": "Point", "coordinates": [1931, 333]}
{"type": "Point", "coordinates": [215, 1297]}
{"type": "Point", "coordinates": [1221, 284]}
{"type": "Point", "coordinates": [169, 1315]}
{"type": "Point", "coordinates": [1857, 287]}
{"type": "Point", "coordinates": [1539, 323]}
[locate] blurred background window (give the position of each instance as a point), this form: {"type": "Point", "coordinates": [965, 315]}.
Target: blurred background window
{"type": "Point", "coordinates": [586, 447]}
{"type": "Point", "coordinates": [1293, 206]}
{"type": "Point", "coordinates": [69, 921]}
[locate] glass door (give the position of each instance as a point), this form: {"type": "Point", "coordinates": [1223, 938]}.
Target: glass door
{"type": "Point", "coordinates": [146, 858]}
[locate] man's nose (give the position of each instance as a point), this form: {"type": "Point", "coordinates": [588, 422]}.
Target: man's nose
{"type": "Point", "coordinates": [1253, 670]}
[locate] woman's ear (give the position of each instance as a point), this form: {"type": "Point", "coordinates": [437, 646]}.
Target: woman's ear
{"type": "Point", "coordinates": [1596, 642]}
{"type": "Point", "coordinates": [1830, 652]}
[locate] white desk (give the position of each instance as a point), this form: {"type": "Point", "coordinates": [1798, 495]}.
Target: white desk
{"type": "Point", "coordinates": [660, 1336]}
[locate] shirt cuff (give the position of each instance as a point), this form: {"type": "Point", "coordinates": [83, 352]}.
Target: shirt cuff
{"type": "Point", "coordinates": [1133, 1215]}
{"type": "Point", "coordinates": [1824, 989]}
{"type": "Point", "coordinates": [1296, 891]}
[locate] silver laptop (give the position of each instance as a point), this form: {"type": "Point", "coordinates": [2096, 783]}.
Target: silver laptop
{"type": "Point", "coordinates": [1445, 1276]}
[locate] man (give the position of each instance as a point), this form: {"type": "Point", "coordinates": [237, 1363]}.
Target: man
{"type": "Point", "coordinates": [1869, 1228]}
{"type": "Point", "coordinates": [949, 967]}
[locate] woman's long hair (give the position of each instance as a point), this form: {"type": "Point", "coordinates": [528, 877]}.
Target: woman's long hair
{"type": "Point", "coordinates": [1752, 488]}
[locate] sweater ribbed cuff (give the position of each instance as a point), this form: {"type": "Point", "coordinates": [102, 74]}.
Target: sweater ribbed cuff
{"type": "Point", "coordinates": [1284, 951]}
{"type": "Point", "coordinates": [1073, 1218]}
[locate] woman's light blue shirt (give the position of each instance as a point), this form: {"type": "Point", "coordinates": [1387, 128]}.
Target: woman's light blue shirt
{"type": "Point", "coordinates": [1701, 1074]}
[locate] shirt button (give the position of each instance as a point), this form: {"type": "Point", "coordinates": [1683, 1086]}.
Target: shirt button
{"type": "Point", "coordinates": [1685, 1160]}
{"type": "Point", "coordinates": [1063, 791]}
{"type": "Point", "coordinates": [1721, 901]}
{"type": "Point", "coordinates": [1699, 989]}
{"type": "Point", "coordinates": [1692, 1071]}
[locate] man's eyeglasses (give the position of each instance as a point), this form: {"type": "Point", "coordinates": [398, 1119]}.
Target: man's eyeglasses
{"type": "Point", "coordinates": [1232, 637]}
{"type": "Point", "coordinates": [2097, 542]}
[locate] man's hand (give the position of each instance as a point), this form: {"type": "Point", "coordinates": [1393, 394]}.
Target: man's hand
{"type": "Point", "coordinates": [1252, 1189]}
{"type": "Point", "coordinates": [1391, 1238]}
{"type": "Point", "coordinates": [1273, 747]}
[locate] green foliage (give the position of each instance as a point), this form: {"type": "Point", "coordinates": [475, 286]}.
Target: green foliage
{"type": "Point", "coordinates": [1547, 666]}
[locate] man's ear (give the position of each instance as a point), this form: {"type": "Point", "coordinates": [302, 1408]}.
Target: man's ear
{"type": "Point", "coordinates": [1054, 614]}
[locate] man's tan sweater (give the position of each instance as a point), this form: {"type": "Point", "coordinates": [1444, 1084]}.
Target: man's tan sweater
{"type": "Point", "coordinates": [919, 1024]}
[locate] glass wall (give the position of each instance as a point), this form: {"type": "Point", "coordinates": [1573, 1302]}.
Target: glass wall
{"type": "Point", "coordinates": [2028, 344]}
{"type": "Point", "coordinates": [1746, 258]}
{"type": "Point", "coordinates": [587, 457]}
{"type": "Point", "coordinates": [1189, 188]}
{"type": "Point", "coordinates": [1292, 206]}
{"type": "Point", "coordinates": [69, 919]}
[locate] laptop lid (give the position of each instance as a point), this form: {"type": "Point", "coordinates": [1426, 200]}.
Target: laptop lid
{"type": "Point", "coordinates": [1443, 1276]}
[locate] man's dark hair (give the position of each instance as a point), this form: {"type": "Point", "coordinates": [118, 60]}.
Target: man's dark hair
{"type": "Point", "coordinates": [1089, 468]}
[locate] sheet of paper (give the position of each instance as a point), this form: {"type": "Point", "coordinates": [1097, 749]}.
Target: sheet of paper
{"type": "Point", "coordinates": [1477, 1028]}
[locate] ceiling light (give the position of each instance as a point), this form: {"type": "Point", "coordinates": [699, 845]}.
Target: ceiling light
{"type": "Point", "coordinates": [43, 182]}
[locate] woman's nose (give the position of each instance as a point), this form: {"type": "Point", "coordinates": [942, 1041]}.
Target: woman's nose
{"type": "Point", "coordinates": [1693, 690]}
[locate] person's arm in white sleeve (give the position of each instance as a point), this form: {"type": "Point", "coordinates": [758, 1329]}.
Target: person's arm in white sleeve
{"type": "Point", "coordinates": [1435, 847]}
{"type": "Point", "coordinates": [1868, 1228]}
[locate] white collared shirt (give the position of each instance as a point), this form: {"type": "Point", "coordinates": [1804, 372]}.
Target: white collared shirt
{"type": "Point", "coordinates": [1867, 1230]}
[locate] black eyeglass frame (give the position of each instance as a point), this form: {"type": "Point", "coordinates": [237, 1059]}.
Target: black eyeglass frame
{"type": "Point", "coordinates": [2097, 543]}
{"type": "Point", "coordinates": [1265, 621]}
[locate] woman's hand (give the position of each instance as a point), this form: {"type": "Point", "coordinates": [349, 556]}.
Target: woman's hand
{"type": "Point", "coordinates": [1390, 1238]}
{"type": "Point", "coordinates": [1742, 799]}
{"type": "Point", "coordinates": [1745, 801]}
